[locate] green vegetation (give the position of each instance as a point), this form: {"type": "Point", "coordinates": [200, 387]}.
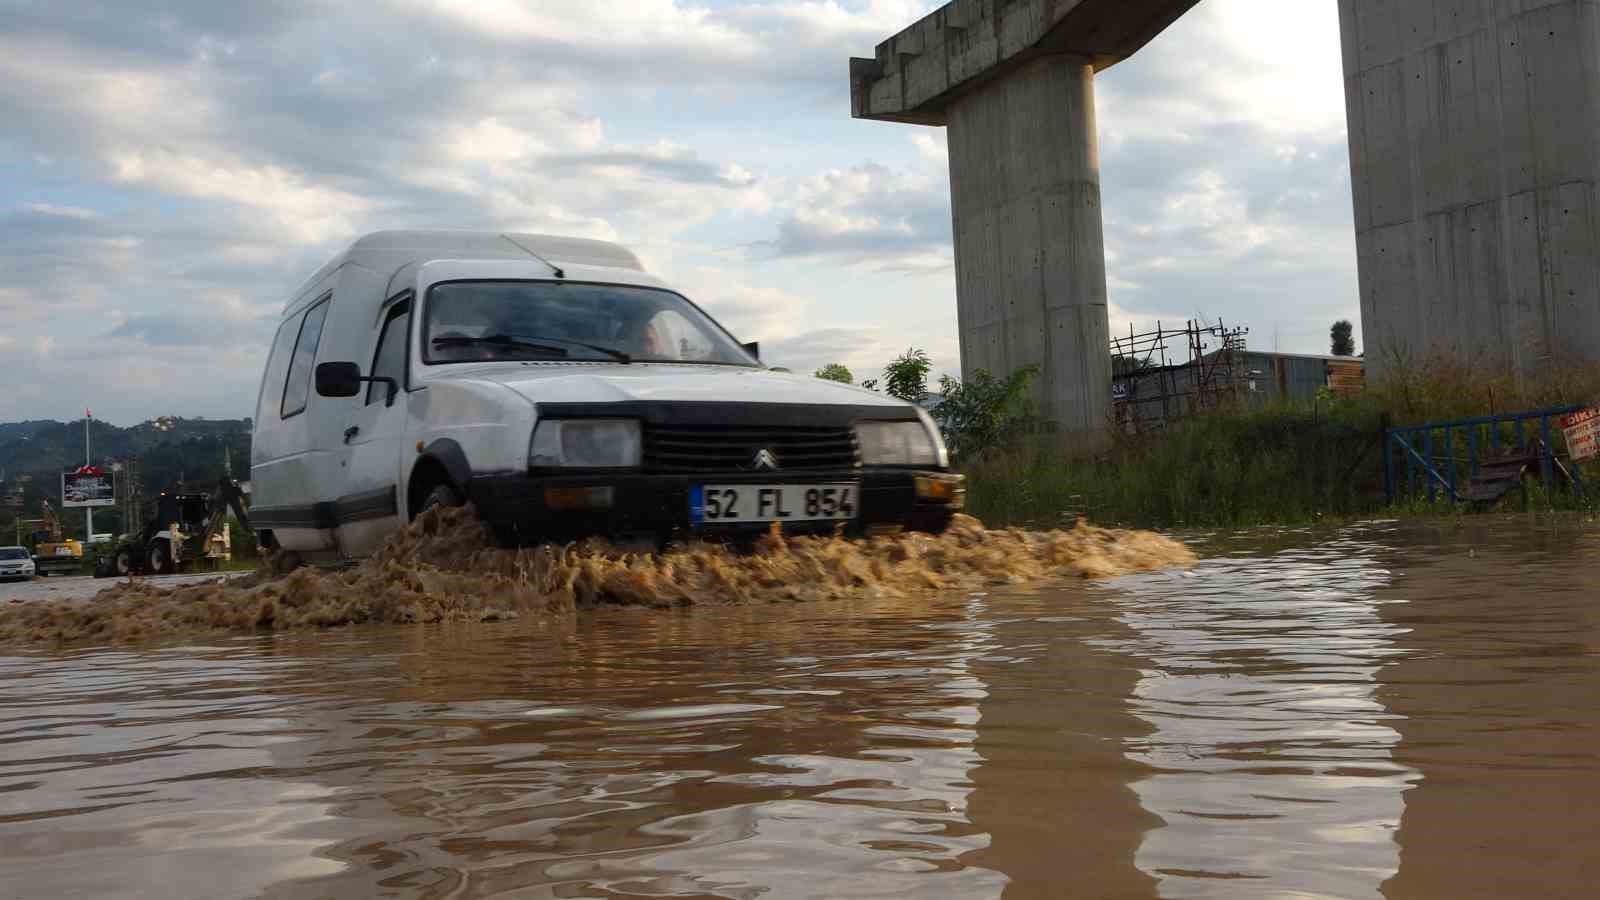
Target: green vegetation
{"type": "Point", "coordinates": [985, 412]}
{"type": "Point", "coordinates": [836, 372]}
{"type": "Point", "coordinates": [1342, 336]}
{"type": "Point", "coordinates": [171, 451]}
{"type": "Point", "coordinates": [1225, 468]}
{"type": "Point", "coordinates": [906, 377]}
{"type": "Point", "coordinates": [1288, 463]}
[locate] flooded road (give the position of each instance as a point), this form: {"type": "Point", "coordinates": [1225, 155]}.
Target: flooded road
{"type": "Point", "coordinates": [1402, 711]}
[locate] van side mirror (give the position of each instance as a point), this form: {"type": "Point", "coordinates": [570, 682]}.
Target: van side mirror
{"type": "Point", "coordinates": [338, 379]}
{"type": "Point", "coordinates": [753, 348]}
{"type": "Point", "coordinates": [343, 379]}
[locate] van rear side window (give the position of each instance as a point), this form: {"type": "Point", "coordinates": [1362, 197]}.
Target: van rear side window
{"type": "Point", "coordinates": [297, 389]}
{"type": "Point", "coordinates": [277, 367]}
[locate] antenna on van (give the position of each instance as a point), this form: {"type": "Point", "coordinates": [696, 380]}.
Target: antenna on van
{"type": "Point", "coordinates": [553, 267]}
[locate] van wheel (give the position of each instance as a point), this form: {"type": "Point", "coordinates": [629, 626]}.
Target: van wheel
{"type": "Point", "coordinates": [441, 495]}
{"type": "Point", "coordinates": [160, 557]}
{"type": "Point", "coordinates": [282, 562]}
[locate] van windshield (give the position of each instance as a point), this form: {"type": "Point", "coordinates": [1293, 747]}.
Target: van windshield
{"type": "Point", "coordinates": [473, 321]}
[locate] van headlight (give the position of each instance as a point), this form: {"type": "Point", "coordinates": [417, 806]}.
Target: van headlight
{"type": "Point", "coordinates": [585, 444]}
{"type": "Point", "coordinates": [900, 444]}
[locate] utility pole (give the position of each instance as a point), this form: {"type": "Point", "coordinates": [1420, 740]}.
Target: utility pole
{"type": "Point", "coordinates": [88, 511]}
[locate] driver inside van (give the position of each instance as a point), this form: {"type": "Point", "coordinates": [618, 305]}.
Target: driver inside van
{"type": "Point", "coordinates": [478, 318]}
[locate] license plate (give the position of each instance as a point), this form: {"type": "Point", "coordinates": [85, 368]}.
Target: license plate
{"type": "Point", "coordinates": [716, 504]}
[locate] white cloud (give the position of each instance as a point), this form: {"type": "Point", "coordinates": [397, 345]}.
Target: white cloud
{"type": "Point", "coordinates": [306, 210]}
{"type": "Point", "coordinates": [619, 24]}
{"type": "Point", "coordinates": [667, 41]}
{"type": "Point", "coordinates": [890, 219]}
{"type": "Point", "coordinates": [64, 212]}
{"type": "Point", "coordinates": [932, 146]}
{"type": "Point", "coordinates": [178, 180]}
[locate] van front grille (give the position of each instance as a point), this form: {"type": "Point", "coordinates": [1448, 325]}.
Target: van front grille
{"type": "Point", "coordinates": [729, 449]}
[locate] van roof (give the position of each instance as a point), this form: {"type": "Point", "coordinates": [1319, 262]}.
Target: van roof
{"type": "Point", "coordinates": [386, 252]}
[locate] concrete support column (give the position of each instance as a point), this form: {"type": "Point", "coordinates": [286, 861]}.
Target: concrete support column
{"type": "Point", "coordinates": [1029, 244]}
{"type": "Point", "coordinates": [1475, 156]}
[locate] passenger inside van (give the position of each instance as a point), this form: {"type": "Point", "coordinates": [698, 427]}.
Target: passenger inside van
{"type": "Point", "coordinates": [667, 335]}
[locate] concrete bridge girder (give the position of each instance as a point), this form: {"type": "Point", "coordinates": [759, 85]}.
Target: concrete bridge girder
{"type": "Point", "coordinates": [1474, 129]}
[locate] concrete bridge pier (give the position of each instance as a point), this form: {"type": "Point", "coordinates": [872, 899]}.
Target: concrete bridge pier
{"type": "Point", "coordinates": [1474, 139]}
{"type": "Point", "coordinates": [1030, 252]}
{"type": "Point", "coordinates": [1013, 80]}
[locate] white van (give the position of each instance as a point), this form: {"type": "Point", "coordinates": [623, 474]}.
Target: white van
{"type": "Point", "coordinates": [565, 392]}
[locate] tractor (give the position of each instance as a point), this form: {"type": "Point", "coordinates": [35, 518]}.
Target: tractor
{"type": "Point", "coordinates": [178, 536]}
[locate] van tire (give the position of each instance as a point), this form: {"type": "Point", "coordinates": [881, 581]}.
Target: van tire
{"type": "Point", "coordinates": [159, 557]}
{"type": "Point", "coordinates": [282, 562]}
{"type": "Point", "coordinates": [441, 495]}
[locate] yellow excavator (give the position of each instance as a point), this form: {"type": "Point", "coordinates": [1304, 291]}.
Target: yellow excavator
{"type": "Point", "coordinates": [53, 552]}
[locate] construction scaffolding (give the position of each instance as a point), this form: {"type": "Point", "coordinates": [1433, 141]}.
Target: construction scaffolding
{"type": "Point", "coordinates": [1152, 386]}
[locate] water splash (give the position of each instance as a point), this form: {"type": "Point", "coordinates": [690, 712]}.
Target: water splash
{"type": "Point", "coordinates": [445, 566]}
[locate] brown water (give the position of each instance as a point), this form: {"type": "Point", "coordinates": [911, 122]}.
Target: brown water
{"type": "Point", "coordinates": [1398, 711]}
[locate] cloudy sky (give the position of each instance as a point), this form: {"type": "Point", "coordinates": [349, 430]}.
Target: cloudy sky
{"type": "Point", "coordinates": [171, 169]}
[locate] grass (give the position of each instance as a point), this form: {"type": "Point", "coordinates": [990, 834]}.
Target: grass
{"type": "Point", "coordinates": [1286, 464]}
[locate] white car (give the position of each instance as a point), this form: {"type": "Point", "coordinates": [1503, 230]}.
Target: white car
{"type": "Point", "coordinates": [564, 391]}
{"type": "Point", "coordinates": [15, 563]}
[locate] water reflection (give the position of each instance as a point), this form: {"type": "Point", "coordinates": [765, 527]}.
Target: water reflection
{"type": "Point", "coordinates": [1053, 790]}
{"type": "Point", "coordinates": [1273, 757]}
{"type": "Point", "coordinates": [1379, 712]}
{"type": "Point", "coordinates": [801, 752]}
{"type": "Point", "coordinates": [107, 780]}
{"type": "Point", "coordinates": [1497, 693]}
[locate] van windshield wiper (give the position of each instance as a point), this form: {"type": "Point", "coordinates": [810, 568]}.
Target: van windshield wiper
{"type": "Point", "coordinates": [517, 343]}
{"type": "Point", "coordinates": [615, 354]}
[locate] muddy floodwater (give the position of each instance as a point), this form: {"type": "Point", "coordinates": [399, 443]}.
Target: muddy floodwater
{"type": "Point", "coordinates": [1384, 710]}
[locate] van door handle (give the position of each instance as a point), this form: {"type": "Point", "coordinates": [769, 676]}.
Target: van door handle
{"type": "Point", "coordinates": [351, 432]}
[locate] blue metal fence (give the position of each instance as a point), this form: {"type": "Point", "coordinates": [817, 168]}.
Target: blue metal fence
{"type": "Point", "coordinates": [1439, 469]}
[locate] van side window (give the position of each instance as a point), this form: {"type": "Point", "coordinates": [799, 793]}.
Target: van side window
{"type": "Point", "coordinates": [277, 367]}
{"type": "Point", "coordinates": [390, 359]}
{"type": "Point", "coordinates": [298, 388]}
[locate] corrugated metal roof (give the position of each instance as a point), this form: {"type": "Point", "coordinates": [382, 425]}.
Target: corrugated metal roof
{"type": "Point", "coordinates": [1348, 359]}
{"type": "Point", "coordinates": [1274, 353]}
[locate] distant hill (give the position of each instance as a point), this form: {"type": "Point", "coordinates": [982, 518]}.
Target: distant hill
{"type": "Point", "coordinates": [172, 453]}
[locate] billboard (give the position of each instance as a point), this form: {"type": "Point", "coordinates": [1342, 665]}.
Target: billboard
{"type": "Point", "coordinates": [87, 486]}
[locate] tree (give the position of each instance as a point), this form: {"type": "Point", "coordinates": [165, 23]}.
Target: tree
{"type": "Point", "coordinates": [984, 412]}
{"type": "Point", "coordinates": [907, 377]}
{"type": "Point", "coordinates": [1344, 344]}
{"type": "Point", "coordinates": [836, 372]}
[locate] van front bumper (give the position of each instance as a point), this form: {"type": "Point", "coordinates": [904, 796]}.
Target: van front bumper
{"type": "Point", "coordinates": [525, 507]}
